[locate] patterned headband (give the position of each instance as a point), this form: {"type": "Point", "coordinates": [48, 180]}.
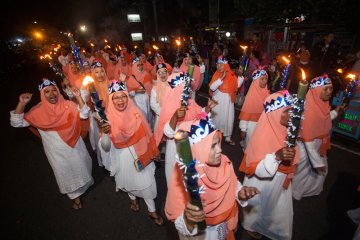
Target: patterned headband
{"type": "Point", "coordinates": [116, 87]}
{"type": "Point", "coordinates": [320, 81]}
{"type": "Point", "coordinates": [86, 64]}
{"type": "Point", "coordinates": [280, 102]}
{"type": "Point", "coordinates": [180, 78]}
{"type": "Point", "coordinates": [45, 83]}
{"type": "Point", "coordinates": [221, 60]}
{"type": "Point", "coordinates": [160, 65]}
{"type": "Point", "coordinates": [135, 60]}
{"type": "Point", "coordinates": [201, 131]}
{"type": "Point", "coordinates": [259, 73]}
{"type": "Point", "coordinates": [96, 64]}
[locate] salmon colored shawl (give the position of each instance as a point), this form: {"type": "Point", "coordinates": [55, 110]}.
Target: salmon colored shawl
{"type": "Point", "coordinates": [268, 137]}
{"type": "Point", "coordinates": [143, 77]}
{"type": "Point", "coordinates": [172, 104]}
{"type": "Point", "coordinates": [197, 76]}
{"type": "Point", "coordinates": [219, 182]}
{"type": "Point", "coordinates": [253, 105]}
{"type": "Point", "coordinates": [130, 128]}
{"type": "Point", "coordinates": [102, 88]}
{"type": "Point", "coordinates": [317, 120]}
{"type": "Point", "coordinates": [62, 117]}
{"type": "Point", "coordinates": [229, 85]}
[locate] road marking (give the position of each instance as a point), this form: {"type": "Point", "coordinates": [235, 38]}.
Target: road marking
{"type": "Point", "coordinates": [333, 144]}
{"type": "Point", "coordinates": [345, 149]}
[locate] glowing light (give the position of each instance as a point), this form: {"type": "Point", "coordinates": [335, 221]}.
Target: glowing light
{"type": "Point", "coordinates": [227, 34]}
{"type": "Point", "coordinates": [105, 40]}
{"type": "Point", "coordinates": [83, 28]}
{"type": "Point", "coordinates": [339, 70]}
{"type": "Point", "coordinates": [286, 60]}
{"type": "Point", "coordinates": [351, 76]}
{"type": "Point", "coordinates": [38, 35]}
{"type": "Point", "coordinates": [92, 45]}
{"type": "Point", "coordinates": [162, 39]}
{"type": "Point", "coordinates": [303, 75]}
{"type": "Point", "coordinates": [46, 56]}
{"type": "Point", "coordinates": [178, 43]}
{"type": "Point", "coordinates": [149, 52]}
{"type": "Point", "coordinates": [155, 47]}
{"type": "Point", "coordinates": [87, 80]}
{"type": "Point", "coordinates": [135, 46]}
{"type": "Point", "coordinates": [57, 48]}
{"type": "Point", "coordinates": [243, 47]}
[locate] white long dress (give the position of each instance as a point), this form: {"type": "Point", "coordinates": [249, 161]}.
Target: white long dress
{"type": "Point", "coordinates": [142, 101]}
{"type": "Point", "coordinates": [170, 153]}
{"type": "Point", "coordinates": [306, 182]}
{"type": "Point", "coordinates": [248, 127]}
{"type": "Point", "coordinates": [71, 166]}
{"type": "Point", "coordinates": [155, 106]}
{"type": "Point", "coordinates": [140, 184]}
{"type": "Point", "coordinates": [215, 232]}
{"type": "Point", "coordinates": [269, 213]}
{"type": "Point", "coordinates": [223, 112]}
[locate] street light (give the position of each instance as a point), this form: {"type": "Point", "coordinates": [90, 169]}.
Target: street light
{"type": "Point", "coordinates": [83, 28]}
{"type": "Point", "coordinates": [227, 34]}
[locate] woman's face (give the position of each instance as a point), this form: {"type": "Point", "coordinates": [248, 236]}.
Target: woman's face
{"type": "Point", "coordinates": [285, 117]}
{"type": "Point", "coordinates": [215, 151]}
{"type": "Point", "coordinates": [220, 67]}
{"type": "Point", "coordinates": [51, 94]}
{"type": "Point", "coordinates": [99, 74]}
{"type": "Point", "coordinates": [263, 81]}
{"type": "Point", "coordinates": [326, 92]}
{"type": "Point", "coordinates": [120, 101]}
{"type": "Point", "coordinates": [187, 61]}
{"type": "Point", "coordinates": [162, 74]}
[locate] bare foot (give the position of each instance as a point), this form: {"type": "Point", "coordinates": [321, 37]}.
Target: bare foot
{"type": "Point", "coordinates": [77, 203]}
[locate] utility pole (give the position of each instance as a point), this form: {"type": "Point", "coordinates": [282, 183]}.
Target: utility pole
{"type": "Point", "coordinates": [155, 21]}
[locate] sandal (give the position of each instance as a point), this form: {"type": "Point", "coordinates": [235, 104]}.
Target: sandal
{"type": "Point", "coordinates": [158, 220]}
{"type": "Point", "coordinates": [77, 204]}
{"type": "Point", "coordinates": [254, 234]}
{"type": "Point", "coordinates": [134, 205]}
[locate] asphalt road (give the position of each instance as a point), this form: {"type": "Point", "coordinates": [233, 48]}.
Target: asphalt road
{"type": "Point", "coordinates": [33, 208]}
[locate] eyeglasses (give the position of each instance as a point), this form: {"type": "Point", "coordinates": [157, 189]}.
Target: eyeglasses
{"type": "Point", "coordinates": [162, 72]}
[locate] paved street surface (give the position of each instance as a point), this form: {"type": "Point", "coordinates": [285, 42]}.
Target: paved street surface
{"type": "Point", "coordinates": [33, 208]}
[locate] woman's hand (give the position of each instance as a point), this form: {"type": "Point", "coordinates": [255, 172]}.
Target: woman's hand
{"type": "Point", "coordinates": [25, 98]}
{"type": "Point", "coordinates": [285, 155]}
{"type": "Point", "coordinates": [193, 215]}
{"type": "Point", "coordinates": [247, 192]}
{"type": "Point", "coordinates": [105, 127]}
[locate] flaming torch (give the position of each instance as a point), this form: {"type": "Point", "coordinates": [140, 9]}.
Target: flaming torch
{"type": "Point", "coordinates": [297, 111]}
{"type": "Point", "coordinates": [244, 60]}
{"type": "Point", "coordinates": [187, 165]}
{"type": "Point", "coordinates": [285, 73]}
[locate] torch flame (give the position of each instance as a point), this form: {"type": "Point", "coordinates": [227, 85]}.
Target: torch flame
{"type": "Point", "coordinates": [244, 47]}
{"type": "Point", "coordinates": [91, 44]}
{"type": "Point", "coordinates": [178, 42]}
{"type": "Point", "coordinates": [87, 80]}
{"type": "Point", "coordinates": [46, 56]}
{"type": "Point", "coordinates": [286, 60]}
{"type": "Point", "coordinates": [339, 70]}
{"type": "Point", "coordinates": [155, 47]}
{"type": "Point", "coordinates": [351, 76]}
{"type": "Point", "coordinates": [105, 40]}
{"type": "Point", "coordinates": [149, 52]}
{"type": "Point", "coordinates": [303, 75]}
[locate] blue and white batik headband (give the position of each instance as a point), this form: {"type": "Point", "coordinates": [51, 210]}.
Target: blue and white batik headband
{"type": "Point", "coordinates": [201, 131]}
{"type": "Point", "coordinates": [45, 83]}
{"type": "Point", "coordinates": [116, 87]}
{"type": "Point", "coordinates": [280, 102]}
{"type": "Point", "coordinates": [320, 81]}
{"type": "Point", "coordinates": [259, 73]}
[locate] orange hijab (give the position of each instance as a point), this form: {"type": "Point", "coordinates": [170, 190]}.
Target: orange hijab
{"type": "Point", "coordinates": [159, 60]}
{"type": "Point", "coordinates": [317, 120]}
{"type": "Point", "coordinates": [102, 88]}
{"type": "Point", "coordinates": [130, 128]}
{"type": "Point", "coordinates": [74, 78]}
{"type": "Point", "coordinates": [219, 182]}
{"type": "Point", "coordinates": [171, 105]}
{"type": "Point", "coordinates": [229, 85]}
{"type": "Point", "coordinates": [253, 105]}
{"type": "Point", "coordinates": [62, 117]}
{"type": "Point", "coordinates": [197, 76]}
{"type": "Point", "coordinates": [268, 137]}
{"type": "Point", "coordinates": [143, 77]}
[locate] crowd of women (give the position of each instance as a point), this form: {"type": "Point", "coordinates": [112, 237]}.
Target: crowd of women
{"type": "Point", "coordinates": [133, 115]}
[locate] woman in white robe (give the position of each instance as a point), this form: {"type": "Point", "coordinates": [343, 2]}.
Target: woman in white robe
{"type": "Point", "coordinates": [269, 166]}
{"type": "Point", "coordinates": [132, 150]}
{"type": "Point", "coordinates": [58, 122]}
